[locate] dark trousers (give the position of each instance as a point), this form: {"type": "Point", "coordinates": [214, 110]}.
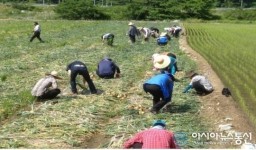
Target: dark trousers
{"type": "Point", "coordinates": [111, 76]}
{"type": "Point", "coordinates": [86, 76]}
{"type": "Point", "coordinates": [132, 38]}
{"type": "Point", "coordinates": [36, 35]}
{"type": "Point", "coordinates": [157, 94]}
{"type": "Point", "coordinates": [199, 88]}
{"type": "Point", "coordinates": [177, 33]}
{"type": "Point", "coordinates": [50, 94]}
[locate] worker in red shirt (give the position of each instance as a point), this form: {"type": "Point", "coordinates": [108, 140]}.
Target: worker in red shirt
{"type": "Point", "coordinates": [156, 137]}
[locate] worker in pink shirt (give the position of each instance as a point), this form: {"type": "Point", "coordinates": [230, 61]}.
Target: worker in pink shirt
{"type": "Point", "coordinates": [156, 137]}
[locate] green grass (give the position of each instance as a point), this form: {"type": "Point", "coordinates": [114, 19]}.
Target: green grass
{"type": "Point", "coordinates": [73, 120]}
{"type": "Point", "coordinates": [230, 49]}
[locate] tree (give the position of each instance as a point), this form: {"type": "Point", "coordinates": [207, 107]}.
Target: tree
{"type": "Point", "coordinates": [198, 8]}
{"type": "Point", "coordinates": [79, 9]}
{"type": "Point", "coordinates": [171, 9]}
{"type": "Point", "coordinates": [137, 11]}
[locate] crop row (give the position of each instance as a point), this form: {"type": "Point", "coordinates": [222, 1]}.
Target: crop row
{"type": "Point", "coordinates": [230, 49]}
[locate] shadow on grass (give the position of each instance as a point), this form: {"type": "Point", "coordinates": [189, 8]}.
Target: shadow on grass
{"type": "Point", "coordinates": [66, 97]}
{"type": "Point", "coordinates": [177, 108]}
{"type": "Point", "coordinates": [88, 92]}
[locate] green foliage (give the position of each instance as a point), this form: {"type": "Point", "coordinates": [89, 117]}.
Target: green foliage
{"type": "Point", "coordinates": [21, 6]}
{"type": "Point", "coordinates": [115, 12]}
{"type": "Point", "coordinates": [136, 11]}
{"type": "Point", "coordinates": [240, 14]}
{"type": "Point", "coordinates": [198, 8]}
{"type": "Point", "coordinates": [80, 9]}
{"type": "Point", "coordinates": [172, 9]}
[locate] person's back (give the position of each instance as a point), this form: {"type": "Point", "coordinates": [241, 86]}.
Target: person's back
{"type": "Point", "coordinates": [107, 68]}
{"type": "Point", "coordinates": [79, 68]}
{"type": "Point", "coordinates": [146, 33]}
{"type": "Point", "coordinates": [133, 30]}
{"type": "Point", "coordinates": [157, 138]}
{"type": "Point", "coordinates": [200, 83]}
{"type": "Point", "coordinates": [46, 88]}
{"type": "Point", "coordinates": [76, 65]}
{"type": "Point", "coordinates": [163, 39]}
{"type": "Point", "coordinates": [42, 85]}
{"type": "Point", "coordinates": [109, 37]}
{"type": "Point", "coordinates": [203, 81]}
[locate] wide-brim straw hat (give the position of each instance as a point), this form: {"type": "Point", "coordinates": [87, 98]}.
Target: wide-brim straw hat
{"type": "Point", "coordinates": [161, 61]}
{"type": "Point", "coordinates": [131, 23]}
{"type": "Point", "coordinates": [155, 55]}
{"type": "Point", "coordinates": [54, 74]}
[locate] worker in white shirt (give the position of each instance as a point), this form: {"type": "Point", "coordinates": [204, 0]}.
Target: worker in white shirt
{"type": "Point", "coordinates": [37, 32]}
{"type": "Point", "coordinates": [146, 32]}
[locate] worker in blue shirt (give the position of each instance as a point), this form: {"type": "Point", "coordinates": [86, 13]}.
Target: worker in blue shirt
{"type": "Point", "coordinates": [107, 69]}
{"type": "Point", "coordinates": [78, 68]}
{"type": "Point", "coordinates": [160, 86]}
{"type": "Point", "coordinates": [163, 39]}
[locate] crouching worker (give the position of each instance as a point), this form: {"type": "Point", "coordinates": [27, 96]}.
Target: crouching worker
{"type": "Point", "coordinates": [156, 137]}
{"type": "Point", "coordinates": [107, 69]}
{"type": "Point", "coordinates": [163, 39]}
{"type": "Point", "coordinates": [200, 83]}
{"type": "Point", "coordinates": [160, 86]}
{"type": "Point", "coordinates": [173, 62]}
{"type": "Point", "coordinates": [173, 65]}
{"type": "Point", "coordinates": [46, 88]}
{"type": "Point", "coordinates": [109, 38]}
{"type": "Point", "coordinates": [78, 68]}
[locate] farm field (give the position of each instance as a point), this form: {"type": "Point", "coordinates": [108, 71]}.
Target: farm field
{"type": "Point", "coordinates": [230, 49]}
{"type": "Point", "coordinates": [86, 121]}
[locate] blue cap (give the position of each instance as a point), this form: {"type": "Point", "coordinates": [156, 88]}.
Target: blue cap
{"type": "Point", "coordinates": [159, 122]}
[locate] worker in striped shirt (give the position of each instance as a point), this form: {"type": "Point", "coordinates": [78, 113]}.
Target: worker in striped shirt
{"type": "Point", "coordinates": [156, 137]}
{"type": "Point", "coordinates": [200, 83]}
{"type": "Point", "coordinates": [46, 88]}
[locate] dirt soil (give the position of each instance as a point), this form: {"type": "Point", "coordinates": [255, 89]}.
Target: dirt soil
{"type": "Point", "coordinates": [216, 108]}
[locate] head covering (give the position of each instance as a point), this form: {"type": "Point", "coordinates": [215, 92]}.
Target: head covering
{"type": "Point", "coordinates": [162, 61]}
{"type": "Point", "coordinates": [35, 22]}
{"type": "Point", "coordinates": [130, 23]}
{"type": "Point", "coordinates": [163, 34]}
{"type": "Point", "coordinates": [159, 122]}
{"type": "Point", "coordinates": [54, 74]}
{"type": "Point", "coordinates": [155, 55]}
